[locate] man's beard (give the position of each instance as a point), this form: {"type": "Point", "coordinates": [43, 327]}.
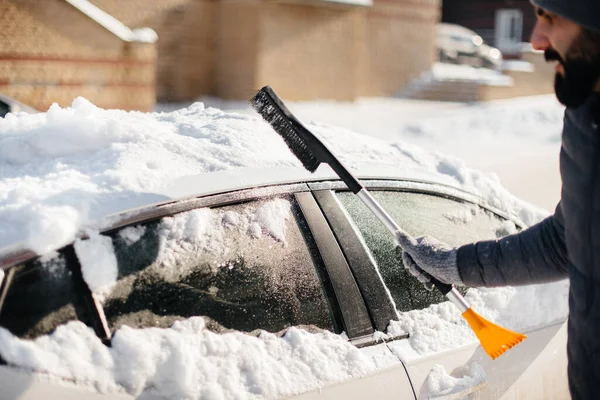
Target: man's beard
{"type": "Point", "coordinates": [581, 70]}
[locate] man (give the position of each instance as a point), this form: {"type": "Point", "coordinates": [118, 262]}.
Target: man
{"type": "Point", "coordinates": [566, 244]}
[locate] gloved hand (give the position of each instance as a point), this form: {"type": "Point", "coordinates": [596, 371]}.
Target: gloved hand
{"type": "Point", "coordinates": [426, 256]}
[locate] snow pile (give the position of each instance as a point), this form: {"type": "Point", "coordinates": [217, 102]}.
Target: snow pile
{"type": "Point", "coordinates": [271, 218]}
{"type": "Point", "coordinates": [440, 383]}
{"type": "Point", "coordinates": [132, 234]}
{"type": "Point", "coordinates": [188, 361]}
{"type": "Point", "coordinates": [518, 65]}
{"type": "Point", "coordinates": [98, 262]}
{"type": "Point", "coordinates": [205, 231]}
{"type": "Point", "coordinates": [64, 170]}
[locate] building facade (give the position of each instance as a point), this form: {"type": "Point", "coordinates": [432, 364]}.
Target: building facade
{"type": "Point", "coordinates": [304, 49]}
{"type": "Point", "coordinates": [56, 50]}
{"type": "Point", "coordinates": [52, 52]}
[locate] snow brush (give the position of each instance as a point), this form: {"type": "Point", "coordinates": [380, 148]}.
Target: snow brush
{"type": "Point", "coordinates": [494, 339]}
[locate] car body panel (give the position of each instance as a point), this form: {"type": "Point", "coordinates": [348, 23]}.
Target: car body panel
{"type": "Point", "coordinates": [390, 382]}
{"type": "Point", "coordinates": [527, 371]}
{"type": "Point", "coordinates": [18, 384]}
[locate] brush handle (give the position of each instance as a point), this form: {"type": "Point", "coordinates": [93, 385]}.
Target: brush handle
{"type": "Point", "coordinates": [317, 147]}
{"type": "Point", "coordinates": [350, 181]}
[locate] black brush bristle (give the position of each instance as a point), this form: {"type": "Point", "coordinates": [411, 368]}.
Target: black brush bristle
{"type": "Point", "coordinates": [280, 119]}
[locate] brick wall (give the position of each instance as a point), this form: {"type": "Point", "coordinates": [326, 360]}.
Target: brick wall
{"type": "Point", "coordinates": [185, 47]}
{"type": "Point", "coordinates": [305, 49]}
{"type": "Point", "coordinates": [54, 53]}
{"type": "Point", "coordinates": [308, 52]}
{"type": "Point", "coordinates": [400, 44]}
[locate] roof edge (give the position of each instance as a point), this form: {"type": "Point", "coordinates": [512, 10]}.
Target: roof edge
{"type": "Point", "coordinates": [113, 25]}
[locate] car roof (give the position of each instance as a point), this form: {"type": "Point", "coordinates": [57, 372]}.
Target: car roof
{"type": "Point", "coordinates": [247, 178]}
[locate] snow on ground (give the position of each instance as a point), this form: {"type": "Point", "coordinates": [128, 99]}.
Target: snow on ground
{"type": "Point", "coordinates": [63, 171]}
{"type": "Point", "coordinates": [444, 72]}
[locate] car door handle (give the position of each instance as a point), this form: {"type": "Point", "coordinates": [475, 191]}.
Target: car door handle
{"type": "Point", "coordinates": [467, 393]}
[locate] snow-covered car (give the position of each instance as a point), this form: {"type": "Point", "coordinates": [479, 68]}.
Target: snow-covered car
{"type": "Point", "coordinates": [10, 105]}
{"type": "Point", "coordinates": [459, 45]}
{"type": "Point", "coordinates": [185, 255]}
{"type": "Point", "coordinates": [262, 254]}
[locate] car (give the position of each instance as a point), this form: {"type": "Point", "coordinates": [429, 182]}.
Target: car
{"type": "Point", "coordinates": [459, 45]}
{"type": "Point", "coordinates": [268, 251]}
{"type": "Point", "coordinates": [10, 105]}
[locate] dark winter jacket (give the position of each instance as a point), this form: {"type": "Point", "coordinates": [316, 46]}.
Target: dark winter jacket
{"type": "Point", "coordinates": [566, 244]}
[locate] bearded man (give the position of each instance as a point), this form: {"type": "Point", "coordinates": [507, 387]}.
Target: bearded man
{"type": "Point", "coordinates": [566, 244]}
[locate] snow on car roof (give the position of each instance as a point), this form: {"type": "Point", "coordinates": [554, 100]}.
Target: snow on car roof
{"type": "Point", "coordinates": [246, 178]}
{"type": "Point", "coordinates": [66, 169]}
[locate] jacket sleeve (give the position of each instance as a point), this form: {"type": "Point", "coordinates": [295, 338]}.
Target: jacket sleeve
{"type": "Point", "coordinates": [537, 254]}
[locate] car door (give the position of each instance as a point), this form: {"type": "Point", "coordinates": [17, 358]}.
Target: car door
{"type": "Point", "coordinates": [535, 369]}
{"type": "Point", "coordinates": [248, 261]}
{"type": "Point", "coordinates": [274, 264]}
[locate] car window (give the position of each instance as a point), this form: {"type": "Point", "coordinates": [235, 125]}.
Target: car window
{"type": "Point", "coordinates": [40, 297]}
{"type": "Point", "coordinates": [244, 267]}
{"type": "Point", "coordinates": [419, 214]}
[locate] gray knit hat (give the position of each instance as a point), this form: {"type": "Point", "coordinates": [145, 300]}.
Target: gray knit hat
{"type": "Point", "coordinates": [584, 12]}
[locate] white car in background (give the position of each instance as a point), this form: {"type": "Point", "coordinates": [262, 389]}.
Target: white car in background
{"type": "Point", "coordinates": [459, 45]}
{"type": "Point", "coordinates": [338, 272]}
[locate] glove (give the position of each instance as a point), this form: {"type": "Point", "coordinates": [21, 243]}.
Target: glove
{"type": "Point", "coordinates": [426, 256]}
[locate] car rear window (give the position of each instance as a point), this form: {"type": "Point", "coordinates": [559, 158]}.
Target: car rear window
{"type": "Point", "coordinates": [449, 220]}
{"type": "Point", "coordinates": [244, 267]}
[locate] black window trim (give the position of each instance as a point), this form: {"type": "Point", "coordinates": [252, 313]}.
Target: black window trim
{"type": "Point", "coordinates": [356, 319]}
{"type": "Point", "coordinates": [372, 287]}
